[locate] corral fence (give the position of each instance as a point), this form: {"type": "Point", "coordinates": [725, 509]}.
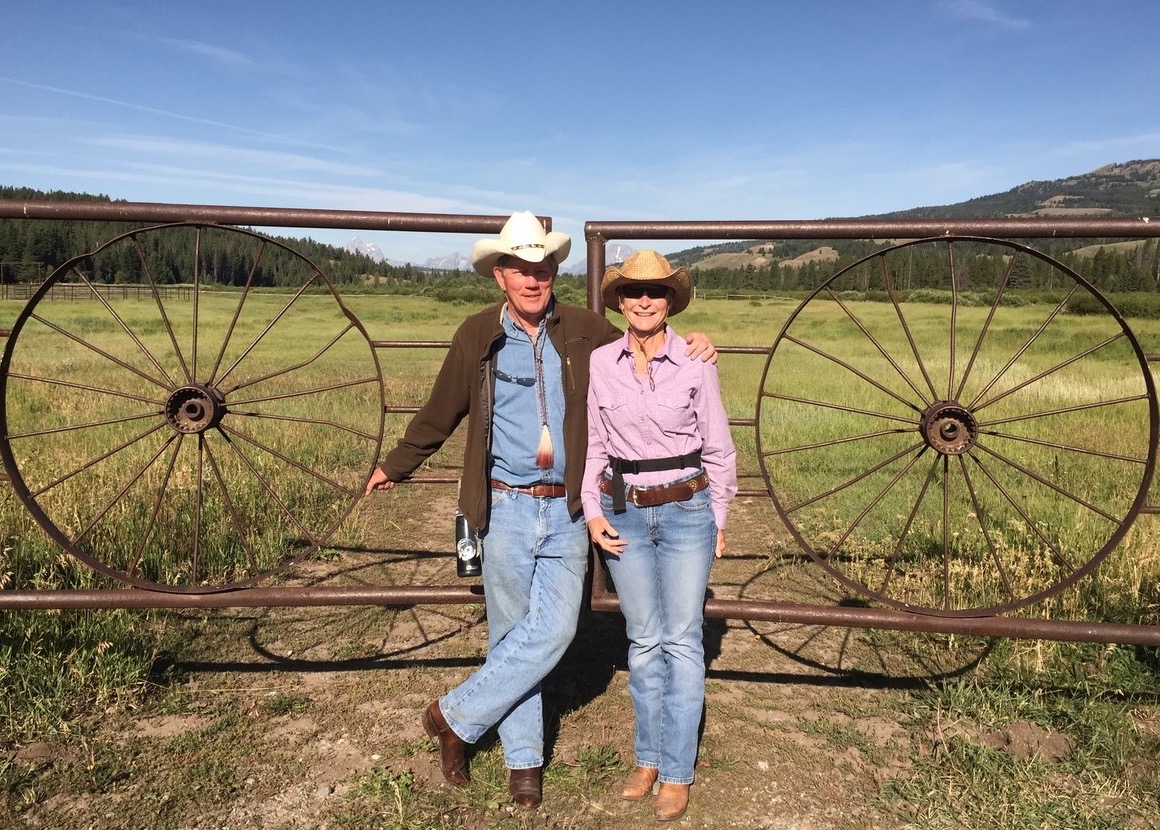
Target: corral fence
{"type": "Point", "coordinates": [958, 446]}
{"type": "Point", "coordinates": [71, 291]}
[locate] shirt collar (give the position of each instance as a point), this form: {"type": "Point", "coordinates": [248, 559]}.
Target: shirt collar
{"type": "Point", "coordinates": [664, 353]}
{"type": "Point", "coordinates": [511, 327]}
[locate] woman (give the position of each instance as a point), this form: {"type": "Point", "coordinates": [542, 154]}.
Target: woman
{"type": "Point", "coordinates": [659, 476]}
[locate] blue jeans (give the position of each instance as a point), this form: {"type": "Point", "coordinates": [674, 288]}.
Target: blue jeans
{"type": "Point", "coordinates": [534, 558]}
{"type": "Point", "coordinates": [661, 579]}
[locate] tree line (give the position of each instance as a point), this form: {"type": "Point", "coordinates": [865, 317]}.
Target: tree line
{"type": "Point", "coordinates": [1111, 269]}
{"type": "Point", "coordinates": [30, 250]}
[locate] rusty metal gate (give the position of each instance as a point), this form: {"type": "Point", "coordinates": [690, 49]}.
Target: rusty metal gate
{"type": "Point", "coordinates": [968, 456]}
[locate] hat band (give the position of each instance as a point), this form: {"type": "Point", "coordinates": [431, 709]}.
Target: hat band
{"type": "Point", "coordinates": [529, 245]}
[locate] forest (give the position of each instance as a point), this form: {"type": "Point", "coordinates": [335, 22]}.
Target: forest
{"type": "Point", "coordinates": [30, 250]}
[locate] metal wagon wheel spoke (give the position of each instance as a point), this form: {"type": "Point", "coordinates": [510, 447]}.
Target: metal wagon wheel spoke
{"type": "Point", "coordinates": [275, 381]}
{"type": "Point", "coordinates": [857, 654]}
{"type": "Point", "coordinates": [1042, 441]}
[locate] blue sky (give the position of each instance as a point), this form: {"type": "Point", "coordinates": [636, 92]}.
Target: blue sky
{"type": "Point", "coordinates": [599, 110]}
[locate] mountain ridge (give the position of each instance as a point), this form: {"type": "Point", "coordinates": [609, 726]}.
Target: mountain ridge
{"type": "Point", "coordinates": [1129, 188]}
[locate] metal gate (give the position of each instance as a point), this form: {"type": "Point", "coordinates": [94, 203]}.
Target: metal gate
{"type": "Point", "coordinates": [949, 446]}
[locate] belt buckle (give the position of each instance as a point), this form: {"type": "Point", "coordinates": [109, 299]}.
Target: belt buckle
{"type": "Point", "coordinates": [633, 492]}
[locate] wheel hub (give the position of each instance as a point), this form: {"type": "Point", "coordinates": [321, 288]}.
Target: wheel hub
{"type": "Point", "coordinates": [949, 428]}
{"type": "Point", "coordinates": [195, 408]}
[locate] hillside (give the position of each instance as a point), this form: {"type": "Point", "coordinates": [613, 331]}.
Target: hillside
{"type": "Point", "coordinates": [1128, 189]}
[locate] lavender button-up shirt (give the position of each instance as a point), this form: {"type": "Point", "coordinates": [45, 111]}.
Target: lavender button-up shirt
{"type": "Point", "coordinates": [679, 412]}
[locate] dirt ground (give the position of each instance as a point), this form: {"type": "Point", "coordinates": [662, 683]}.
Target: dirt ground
{"type": "Point", "coordinates": [287, 718]}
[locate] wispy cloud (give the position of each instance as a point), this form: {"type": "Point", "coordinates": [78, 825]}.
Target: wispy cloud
{"type": "Point", "coordinates": [224, 155]}
{"type": "Point", "coordinates": [1141, 145]}
{"type": "Point", "coordinates": [100, 99]}
{"type": "Point", "coordinates": [983, 12]}
{"type": "Point", "coordinates": [217, 54]}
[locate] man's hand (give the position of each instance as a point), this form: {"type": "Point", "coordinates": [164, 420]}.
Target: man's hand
{"type": "Point", "coordinates": [378, 481]}
{"type": "Point", "coordinates": [699, 346]}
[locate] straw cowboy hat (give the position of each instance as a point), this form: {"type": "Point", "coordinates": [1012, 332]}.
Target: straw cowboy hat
{"type": "Point", "coordinates": [647, 266]}
{"type": "Point", "coordinates": [521, 236]}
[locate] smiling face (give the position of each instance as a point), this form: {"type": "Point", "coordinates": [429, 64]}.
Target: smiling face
{"type": "Point", "coordinates": [645, 307]}
{"type": "Point", "coordinates": [527, 287]}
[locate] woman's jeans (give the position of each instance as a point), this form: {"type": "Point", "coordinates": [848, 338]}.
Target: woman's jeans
{"type": "Point", "coordinates": [534, 558]}
{"type": "Point", "coordinates": [660, 578]}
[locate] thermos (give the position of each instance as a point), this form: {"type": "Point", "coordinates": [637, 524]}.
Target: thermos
{"type": "Point", "coordinates": [468, 558]}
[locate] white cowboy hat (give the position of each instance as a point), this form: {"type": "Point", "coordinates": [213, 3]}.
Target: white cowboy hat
{"type": "Point", "coordinates": [524, 237]}
{"type": "Point", "coordinates": [647, 266]}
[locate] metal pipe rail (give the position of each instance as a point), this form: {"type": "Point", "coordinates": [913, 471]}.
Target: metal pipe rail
{"type": "Point", "coordinates": [597, 234]}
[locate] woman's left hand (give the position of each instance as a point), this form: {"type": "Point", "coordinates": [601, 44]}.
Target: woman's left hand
{"type": "Point", "coordinates": [720, 544]}
{"type": "Point", "coordinates": [605, 537]}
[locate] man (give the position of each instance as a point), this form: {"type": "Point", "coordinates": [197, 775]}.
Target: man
{"type": "Point", "coordinates": [519, 372]}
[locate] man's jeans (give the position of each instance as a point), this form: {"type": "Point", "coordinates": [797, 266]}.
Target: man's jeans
{"type": "Point", "coordinates": [534, 558]}
{"type": "Point", "coordinates": [660, 578]}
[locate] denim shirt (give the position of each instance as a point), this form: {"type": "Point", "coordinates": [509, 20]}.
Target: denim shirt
{"type": "Point", "coordinates": [516, 412]}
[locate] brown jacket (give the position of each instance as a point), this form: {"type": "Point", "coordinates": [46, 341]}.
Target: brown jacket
{"type": "Point", "coordinates": [465, 387]}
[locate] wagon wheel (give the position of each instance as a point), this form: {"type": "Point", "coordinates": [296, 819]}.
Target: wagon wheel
{"type": "Point", "coordinates": [947, 451]}
{"type": "Point", "coordinates": [181, 438]}
{"type": "Point", "coordinates": [353, 636]}
{"type": "Point", "coordinates": [859, 654]}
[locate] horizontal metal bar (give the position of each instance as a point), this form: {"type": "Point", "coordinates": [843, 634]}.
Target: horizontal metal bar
{"type": "Point", "coordinates": [250, 216]}
{"type": "Point", "coordinates": [847, 617]}
{"type": "Point", "coordinates": [413, 344]}
{"type": "Point", "coordinates": [894, 229]}
{"type": "Point", "coordinates": [886, 618]}
{"type": "Point", "coordinates": [246, 597]}
{"type": "Point", "coordinates": [744, 349]}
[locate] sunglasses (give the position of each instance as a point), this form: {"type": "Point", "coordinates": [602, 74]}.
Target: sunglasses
{"type": "Point", "coordinates": [635, 292]}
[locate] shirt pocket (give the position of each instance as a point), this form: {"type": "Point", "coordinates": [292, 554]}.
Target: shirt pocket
{"type": "Point", "coordinates": [674, 412]}
{"type": "Point", "coordinates": [614, 415]}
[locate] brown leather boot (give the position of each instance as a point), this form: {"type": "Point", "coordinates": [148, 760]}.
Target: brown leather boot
{"type": "Point", "coordinates": [672, 801]}
{"type": "Point", "coordinates": [639, 783]}
{"type": "Point", "coordinates": [526, 786]}
{"type": "Point", "coordinates": [451, 746]}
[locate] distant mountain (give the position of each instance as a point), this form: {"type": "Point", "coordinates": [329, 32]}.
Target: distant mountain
{"type": "Point", "coordinates": [1128, 189]}
{"type": "Point", "coordinates": [370, 250]}
{"type": "Point", "coordinates": [614, 254]}
{"type": "Point", "coordinates": [453, 261]}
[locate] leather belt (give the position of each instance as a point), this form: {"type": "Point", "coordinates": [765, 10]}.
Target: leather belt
{"type": "Point", "coordinates": [660, 494]}
{"type": "Point", "coordinates": [536, 491]}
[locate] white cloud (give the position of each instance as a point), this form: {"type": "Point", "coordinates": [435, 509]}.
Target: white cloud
{"type": "Point", "coordinates": [217, 54]}
{"type": "Point", "coordinates": [984, 12]}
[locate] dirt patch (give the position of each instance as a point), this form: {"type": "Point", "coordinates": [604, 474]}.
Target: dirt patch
{"type": "Point", "coordinates": [287, 718]}
{"type": "Point", "coordinates": [1030, 740]}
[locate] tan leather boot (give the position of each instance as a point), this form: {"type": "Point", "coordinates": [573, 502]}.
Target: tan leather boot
{"type": "Point", "coordinates": [639, 783]}
{"type": "Point", "coordinates": [672, 801]}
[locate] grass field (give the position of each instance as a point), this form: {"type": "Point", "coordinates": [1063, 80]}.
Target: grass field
{"type": "Point", "coordinates": [919, 529]}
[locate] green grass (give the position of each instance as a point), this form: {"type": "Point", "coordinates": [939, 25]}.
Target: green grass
{"type": "Point", "coordinates": [1101, 777]}
{"type": "Point", "coordinates": [1087, 692]}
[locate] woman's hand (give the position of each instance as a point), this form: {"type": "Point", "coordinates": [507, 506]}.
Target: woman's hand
{"type": "Point", "coordinates": [604, 537]}
{"type": "Point", "coordinates": [720, 544]}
